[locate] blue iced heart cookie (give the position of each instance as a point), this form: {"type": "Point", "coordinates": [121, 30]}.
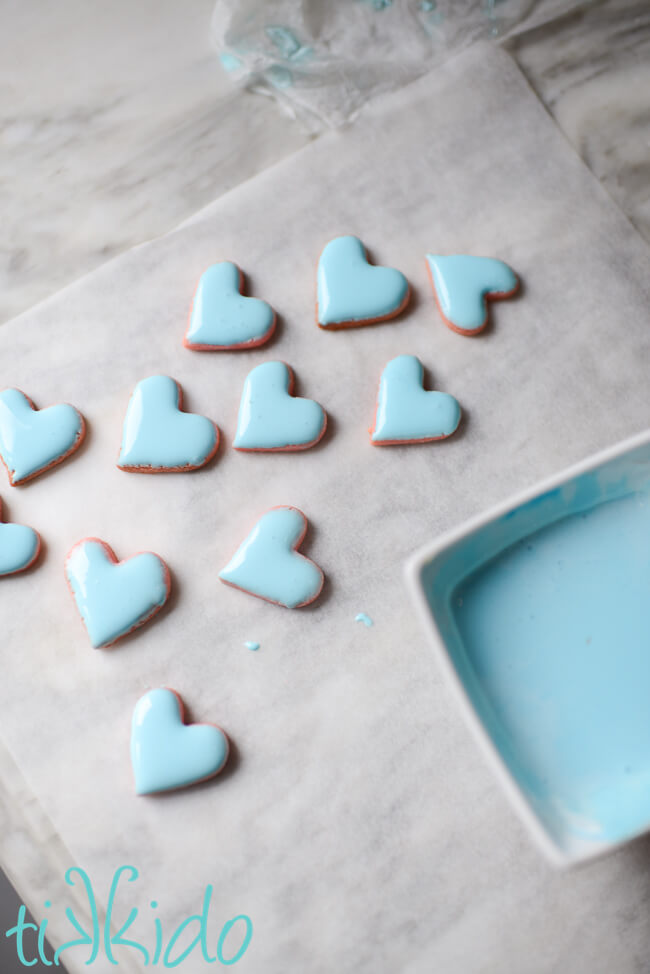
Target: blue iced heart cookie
{"type": "Point", "coordinates": [222, 318]}
{"type": "Point", "coordinates": [166, 753]}
{"type": "Point", "coordinates": [407, 413]}
{"type": "Point", "coordinates": [114, 597]}
{"type": "Point", "coordinates": [463, 285]}
{"type": "Point", "coordinates": [158, 437]}
{"type": "Point", "coordinates": [353, 292]}
{"type": "Point", "coordinates": [33, 440]}
{"type": "Point", "coordinates": [271, 418]}
{"type": "Point", "coordinates": [19, 547]}
{"type": "Point", "coordinates": [268, 565]}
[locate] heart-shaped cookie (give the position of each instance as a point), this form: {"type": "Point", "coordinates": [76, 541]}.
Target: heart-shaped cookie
{"type": "Point", "coordinates": [19, 547]}
{"type": "Point", "coordinates": [271, 418]}
{"type": "Point", "coordinates": [408, 413]}
{"type": "Point", "coordinates": [115, 597]}
{"type": "Point", "coordinates": [463, 285]}
{"type": "Point", "coordinates": [222, 318]}
{"type": "Point", "coordinates": [158, 437]}
{"type": "Point", "coordinates": [33, 440]}
{"type": "Point", "coordinates": [268, 565]}
{"type": "Point", "coordinates": [353, 292]}
{"type": "Point", "coordinates": [167, 753]}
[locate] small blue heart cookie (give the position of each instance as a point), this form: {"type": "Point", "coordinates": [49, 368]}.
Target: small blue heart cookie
{"type": "Point", "coordinates": [353, 292]}
{"type": "Point", "coordinates": [222, 318]}
{"type": "Point", "coordinates": [408, 413]}
{"type": "Point", "coordinates": [33, 440]}
{"type": "Point", "coordinates": [271, 418]}
{"type": "Point", "coordinates": [268, 565]}
{"type": "Point", "coordinates": [166, 753]}
{"type": "Point", "coordinates": [158, 437]}
{"type": "Point", "coordinates": [19, 547]}
{"type": "Point", "coordinates": [115, 597]}
{"type": "Point", "coordinates": [463, 285]}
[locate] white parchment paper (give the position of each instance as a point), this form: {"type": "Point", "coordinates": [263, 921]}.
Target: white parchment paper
{"type": "Point", "coordinates": [357, 826]}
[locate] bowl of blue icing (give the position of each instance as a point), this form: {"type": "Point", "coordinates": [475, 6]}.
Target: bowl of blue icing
{"type": "Point", "coordinates": [539, 613]}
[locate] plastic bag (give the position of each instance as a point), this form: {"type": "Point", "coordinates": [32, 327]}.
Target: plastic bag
{"type": "Point", "coordinates": [322, 59]}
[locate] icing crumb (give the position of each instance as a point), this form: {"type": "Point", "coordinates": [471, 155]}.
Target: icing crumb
{"type": "Point", "coordinates": [362, 617]}
{"type": "Point", "coordinates": [229, 62]}
{"type": "Point", "coordinates": [252, 645]}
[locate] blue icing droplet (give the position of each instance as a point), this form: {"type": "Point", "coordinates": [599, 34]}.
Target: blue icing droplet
{"type": "Point", "coordinates": [229, 62]}
{"type": "Point", "coordinates": [222, 317]}
{"type": "Point", "coordinates": [350, 290]}
{"type": "Point", "coordinates": [157, 435]}
{"type": "Point", "coordinates": [463, 283]}
{"type": "Point", "coordinates": [165, 752]}
{"type": "Point", "coordinates": [114, 597]}
{"type": "Point", "coordinates": [285, 40]}
{"type": "Point", "coordinates": [267, 565]}
{"type": "Point", "coordinates": [253, 646]}
{"type": "Point", "coordinates": [270, 418]}
{"type": "Point", "coordinates": [31, 440]}
{"type": "Point", "coordinates": [406, 411]}
{"type": "Point", "coordinates": [279, 76]}
{"type": "Point", "coordinates": [362, 617]}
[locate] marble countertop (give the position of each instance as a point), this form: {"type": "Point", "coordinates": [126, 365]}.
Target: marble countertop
{"type": "Point", "coordinates": [121, 124]}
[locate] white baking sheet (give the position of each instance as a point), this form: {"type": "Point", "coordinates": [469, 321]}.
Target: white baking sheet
{"type": "Point", "coordinates": [358, 826]}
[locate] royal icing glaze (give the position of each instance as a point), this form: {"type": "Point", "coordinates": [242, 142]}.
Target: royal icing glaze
{"type": "Point", "coordinates": [463, 285]}
{"type": "Point", "coordinates": [353, 292]}
{"type": "Point", "coordinates": [19, 547]}
{"type": "Point", "coordinates": [158, 436]}
{"type": "Point", "coordinates": [271, 418]}
{"type": "Point", "coordinates": [551, 633]}
{"type": "Point", "coordinates": [114, 597]}
{"type": "Point", "coordinates": [408, 413]}
{"type": "Point", "coordinates": [33, 440]}
{"type": "Point", "coordinates": [222, 318]}
{"type": "Point", "coordinates": [268, 565]}
{"type": "Point", "coordinates": [167, 753]}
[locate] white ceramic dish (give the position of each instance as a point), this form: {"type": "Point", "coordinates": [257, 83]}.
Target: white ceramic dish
{"type": "Point", "coordinates": [609, 788]}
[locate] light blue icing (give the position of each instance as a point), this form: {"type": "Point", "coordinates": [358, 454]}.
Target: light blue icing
{"type": "Point", "coordinates": [252, 645]}
{"type": "Point", "coordinates": [556, 634]}
{"type": "Point", "coordinates": [229, 62]}
{"type": "Point", "coordinates": [33, 439]}
{"type": "Point", "coordinates": [362, 617]}
{"type": "Point", "coordinates": [285, 40]}
{"type": "Point", "coordinates": [222, 317]}
{"type": "Point", "coordinates": [303, 54]}
{"type": "Point", "coordinates": [272, 419]}
{"type": "Point", "coordinates": [279, 76]}
{"type": "Point", "coordinates": [352, 290]}
{"type": "Point", "coordinates": [165, 752]}
{"type": "Point", "coordinates": [19, 547]}
{"type": "Point", "coordinates": [114, 598]}
{"type": "Point", "coordinates": [462, 284]}
{"type": "Point", "coordinates": [406, 411]}
{"type": "Point", "coordinates": [267, 565]}
{"type": "Point", "coordinates": [157, 436]}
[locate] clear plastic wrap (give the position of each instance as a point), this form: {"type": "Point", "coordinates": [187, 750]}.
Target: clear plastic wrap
{"type": "Point", "coordinates": [322, 59]}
